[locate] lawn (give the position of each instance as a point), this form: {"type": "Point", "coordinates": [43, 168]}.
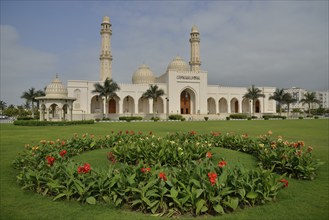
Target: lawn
{"type": "Point", "coordinates": [301, 200]}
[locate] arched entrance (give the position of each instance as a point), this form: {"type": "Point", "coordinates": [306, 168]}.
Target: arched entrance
{"type": "Point", "coordinates": [112, 106]}
{"type": "Point", "coordinates": [234, 105]}
{"type": "Point", "coordinates": [211, 106]}
{"type": "Point", "coordinates": [223, 105]}
{"type": "Point", "coordinates": [257, 106]}
{"type": "Point", "coordinates": [185, 103]}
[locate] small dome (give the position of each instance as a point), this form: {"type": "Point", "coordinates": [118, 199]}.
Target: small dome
{"type": "Point", "coordinates": [143, 75]}
{"type": "Point", "coordinates": [56, 89]}
{"type": "Point", "coordinates": [178, 64]}
{"type": "Point", "coordinates": [194, 29]}
{"type": "Point", "coordinates": [106, 19]}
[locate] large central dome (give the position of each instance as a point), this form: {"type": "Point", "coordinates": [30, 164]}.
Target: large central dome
{"type": "Point", "coordinates": [143, 75]}
{"type": "Point", "coordinates": [56, 89]}
{"type": "Point", "coordinates": [178, 64]}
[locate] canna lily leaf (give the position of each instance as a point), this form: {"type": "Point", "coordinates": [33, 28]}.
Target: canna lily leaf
{"type": "Point", "coordinates": [91, 200]}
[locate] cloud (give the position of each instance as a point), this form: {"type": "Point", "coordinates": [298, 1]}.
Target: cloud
{"type": "Point", "coordinates": [22, 67]}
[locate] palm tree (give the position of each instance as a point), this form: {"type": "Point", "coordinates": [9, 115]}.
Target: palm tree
{"type": "Point", "coordinates": [107, 90]}
{"type": "Point", "coordinates": [288, 99]}
{"type": "Point", "coordinates": [278, 97]}
{"type": "Point", "coordinates": [309, 98]}
{"type": "Point", "coordinates": [3, 105]}
{"type": "Point", "coordinates": [30, 96]}
{"type": "Point", "coordinates": [153, 93]}
{"type": "Point", "coordinates": [253, 94]}
{"type": "Point", "coordinates": [39, 94]}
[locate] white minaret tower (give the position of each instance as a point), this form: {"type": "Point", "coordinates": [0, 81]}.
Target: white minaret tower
{"type": "Point", "coordinates": [106, 56]}
{"type": "Point", "coordinates": [195, 62]}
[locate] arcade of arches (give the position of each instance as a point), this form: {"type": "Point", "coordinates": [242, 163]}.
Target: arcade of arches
{"type": "Point", "coordinates": [187, 105]}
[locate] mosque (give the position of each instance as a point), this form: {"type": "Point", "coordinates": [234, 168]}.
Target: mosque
{"type": "Point", "coordinates": [185, 86]}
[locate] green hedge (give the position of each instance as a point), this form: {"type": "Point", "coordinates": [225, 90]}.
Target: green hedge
{"type": "Point", "coordinates": [130, 118]}
{"type": "Point", "coordinates": [266, 117]}
{"type": "Point", "coordinates": [176, 117]}
{"type": "Point", "coordinates": [238, 116]}
{"type": "Point", "coordinates": [24, 118]}
{"type": "Point", "coordinates": [51, 123]}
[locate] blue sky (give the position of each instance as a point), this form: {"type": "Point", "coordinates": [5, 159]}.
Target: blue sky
{"type": "Point", "coordinates": [266, 43]}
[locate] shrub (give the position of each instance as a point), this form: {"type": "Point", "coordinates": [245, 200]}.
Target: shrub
{"type": "Point", "coordinates": [228, 118]}
{"type": "Point", "coordinates": [155, 118]}
{"type": "Point", "coordinates": [267, 117]}
{"type": "Point", "coordinates": [238, 116]}
{"type": "Point", "coordinates": [24, 118]}
{"type": "Point", "coordinates": [176, 117]}
{"type": "Point", "coordinates": [206, 118]}
{"type": "Point", "coordinates": [51, 123]}
{"type": "Point", "coordinates": [300, 117]}
{"type": "Point", "coordinates": [130, 118]}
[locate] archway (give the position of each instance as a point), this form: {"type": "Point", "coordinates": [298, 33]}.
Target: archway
{"type": "Point", "coordinates": [257, 106]}
{"type": "Point", "coordinates": [223, 105]}
{"type": "Point", "coordinates": [245, 106]}
{"type": "Point", "coordinates": [112, 106]}
{"type": "Point", "coordinates": [96, 104]}
{"type": "Point", "coordinates": [185, 102]}
{"type": "Point", "coordinates": [143, 105]}
{"type": "Point", "coordinates": [211, 106]}
{"type": "Point", "coordinates": [234, 105]}
{"type": "Point", "coordinates": [128, 105]}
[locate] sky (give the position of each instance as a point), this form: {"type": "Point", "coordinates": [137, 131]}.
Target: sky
{"type": "Point", "coordinates": [280, 44]}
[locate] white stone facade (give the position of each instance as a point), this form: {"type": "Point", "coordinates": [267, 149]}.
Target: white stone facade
{"type": "Point", "coordinates": [185, 86]}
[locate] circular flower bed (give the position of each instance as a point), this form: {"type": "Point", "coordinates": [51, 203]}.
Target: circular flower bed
{"type": "Point", "coordinates": [171, 175]}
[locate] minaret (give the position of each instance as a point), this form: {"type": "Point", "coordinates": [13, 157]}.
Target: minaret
{"type": "Point", "coordinates": [106, 56]}
{"type": "Point", "coordinates": [195, 62]}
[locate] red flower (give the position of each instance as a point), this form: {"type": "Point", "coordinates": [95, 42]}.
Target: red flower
{"type": "Point", "coordinates": [50, 160]}
{"type": "Point", "coordinates": [192, 133]}
{"type": "Point", "coordinates": [222, 163]}
{"type": "Point", "coordinates": [212, 178]}
{"type": "Point", "coordinates": [286, 183]}
{"type": "Point", "coordinates": [208, 155]}
{"type": "Point", "coordinates": [62, 153]}
{"type": "Point", "coordinates": [163, 176]}
{"type": "Point", "coordinates": [145, 170]}
{"type": "Point", "coordinates": [63, 143]}
{"type": "Point", "coordinates": [84, 169]}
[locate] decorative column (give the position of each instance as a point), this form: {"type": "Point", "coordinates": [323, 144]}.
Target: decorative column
{"type": "Point", "coordinates": [151, 105]}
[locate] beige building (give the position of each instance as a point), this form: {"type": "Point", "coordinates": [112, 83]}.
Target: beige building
{"type": "Point", "coordinates": [185, 85]}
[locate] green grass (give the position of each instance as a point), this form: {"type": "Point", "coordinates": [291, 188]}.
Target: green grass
{"type": "Point", "coordinates": [301, 200]}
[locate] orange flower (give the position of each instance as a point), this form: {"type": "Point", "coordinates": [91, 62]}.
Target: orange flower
{"type": "Point", "coordinates": [286, 183]}
{"type": "Point", "coordinates": [309, 149]}
{"type": "Point", "coordinates": [208, 155]}
{"type": "Point", "coordinates": [222, 163]}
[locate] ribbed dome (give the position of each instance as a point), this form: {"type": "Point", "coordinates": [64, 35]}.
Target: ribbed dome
{"type": "Point", "coordinates": [178, 64]}
{"type": "Point", "coordinates": [56, 89]}
{"type": "Point", "coordinates": [143, 75]}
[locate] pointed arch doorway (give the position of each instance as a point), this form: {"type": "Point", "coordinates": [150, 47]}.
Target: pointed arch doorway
{"type": "Point", "coordinates": [185, 102]}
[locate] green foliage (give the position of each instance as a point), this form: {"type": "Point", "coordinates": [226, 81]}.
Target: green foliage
{"type": "Point", "coordinates": [130, 118]}
{"type": "Point", "coordinates": [267, 117]}
{"type": "Point", "coordinates": [51, 123]}
{"type": "Point", "coordinates": [176, 117]}
{"type": "Point", "coordinates": [163, 176]}
{"type": "Point", "coordinates": [238, 116]}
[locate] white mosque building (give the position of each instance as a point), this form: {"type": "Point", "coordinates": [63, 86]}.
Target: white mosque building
{"type": "Point", "coordinates": [185, 86]}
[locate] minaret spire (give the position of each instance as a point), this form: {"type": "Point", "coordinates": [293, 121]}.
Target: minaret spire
{"type": "Point", "coordinates": [106, 56]}
{"type": "Point", "coordinates": [195, 62]}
